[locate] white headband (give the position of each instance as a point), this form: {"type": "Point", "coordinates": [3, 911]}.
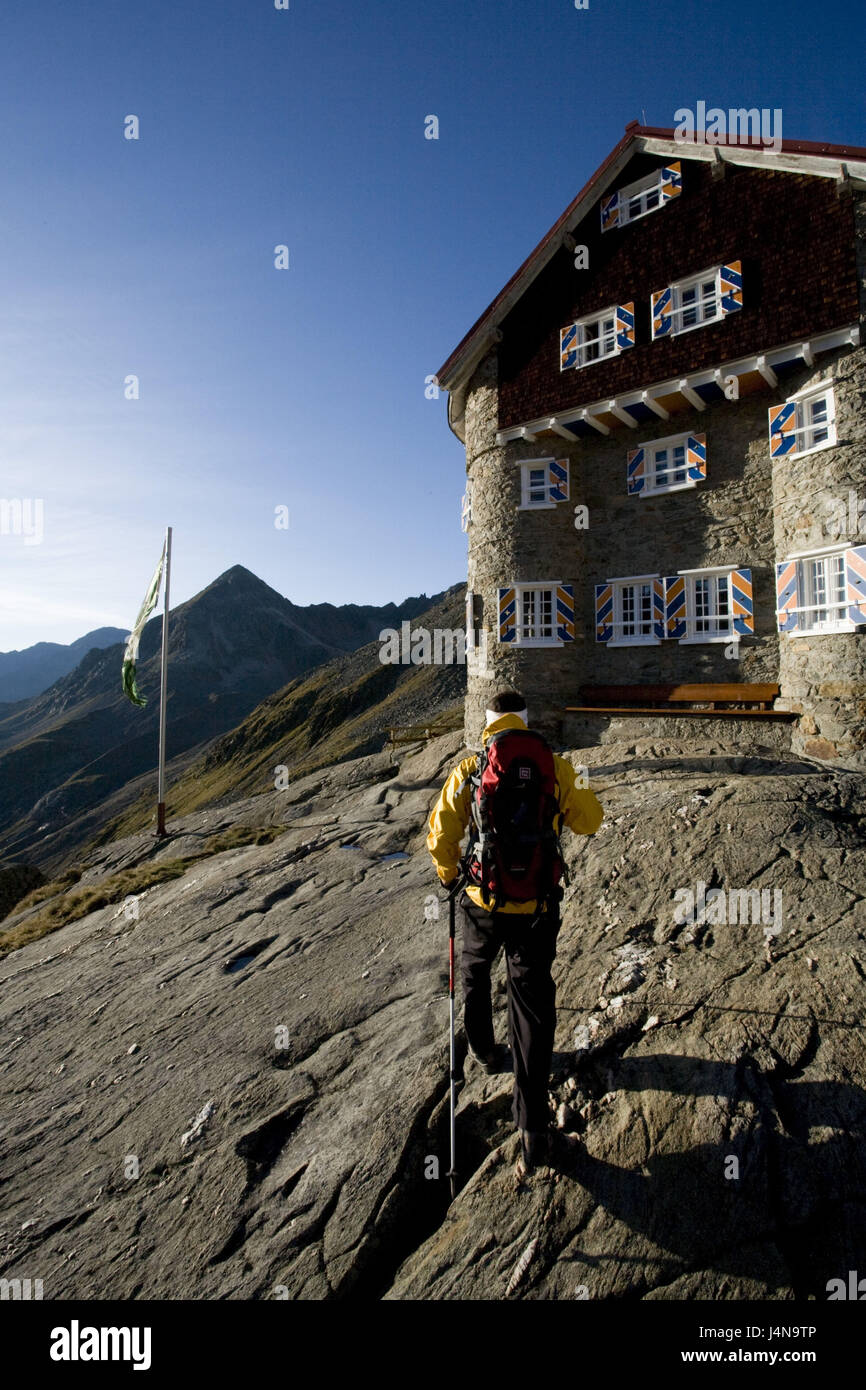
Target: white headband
{"type": "Point", "coordinates": [491, 714]}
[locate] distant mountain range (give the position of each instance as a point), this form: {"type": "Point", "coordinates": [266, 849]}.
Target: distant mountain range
{"type": "Point", "coordinates": [78, 753]}
{"type": "Point", "coordinates": [30, 671]}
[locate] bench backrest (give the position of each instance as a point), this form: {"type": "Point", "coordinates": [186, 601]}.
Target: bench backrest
{"type": "Point", "coordinates": [677, 694]}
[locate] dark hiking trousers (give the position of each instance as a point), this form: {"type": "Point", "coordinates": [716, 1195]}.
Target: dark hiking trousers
{"type": "Point", "coordinates": [529, 955]}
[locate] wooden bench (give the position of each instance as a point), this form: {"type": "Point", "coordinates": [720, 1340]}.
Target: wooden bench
{"type": "Point", "coordinates": [736, 699]}
{"type": "Point", "coordinates": [446, 723]}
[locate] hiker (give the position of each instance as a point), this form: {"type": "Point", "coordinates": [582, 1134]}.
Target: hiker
{"type": "Point", "coordinates": [512, 896]}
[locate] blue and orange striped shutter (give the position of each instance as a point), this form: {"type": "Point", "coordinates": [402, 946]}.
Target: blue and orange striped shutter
{"type": "Point", "coordinates": [786, 595]}
{"type": "Point", "coordinates": [558, 480]}
{"type": "Point", "coordinates": [783, 422]}
{"type": "Point", "coordinates": [609, 212]}
{"type": "Point", "coordinates": [675, 605]}
{"type": "Point", "coordinates": [732, 287]}
{"type": "Point", "coordinates": [696, 457]}
{"type": "Point", "coordinates": [507, 615]}
{"type": "Point", "coordinates": [741, 602]}
{"type": "Point", "coordinates": [671, 181]}
{"type": "Point", "coordinates": [661, 312]}
{"type": "Point", "coordinates": [565, 612]}
{"type": "Point", "coordinates": [603, 612]}
{"type": "Point", "coordinates": [568, 347]}
{"type": "Point", "coordinates": [635, 470]}
{"type": "Point", "coordinates": [659, 628]}
{"type": "Point", "coordinates": [625, 325]}
{"type": "Point", "coordinates": [855, 576]}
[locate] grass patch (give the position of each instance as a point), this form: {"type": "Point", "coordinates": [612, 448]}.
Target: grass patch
{"type": "Point", "coordinates": [68, 906]}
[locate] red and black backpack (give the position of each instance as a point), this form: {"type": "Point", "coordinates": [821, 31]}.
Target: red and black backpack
{"type": "Point", "coordinates": [513, 853]}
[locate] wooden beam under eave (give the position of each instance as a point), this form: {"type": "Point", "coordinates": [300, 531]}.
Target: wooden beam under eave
{"type": "Point", "coordinates": [596, 423]}
{"type": "Point", "coordinates": [767, 372]}
{"type": "Point", "coordinates": [554, 425]}
{"type": "Point", "coordinates": [622, 415]}
{"type": "Point", "coordinates": [691, 396]}
{"type": "Point", "coordinates": [527, 435]}
{"type": "Point", "coordinates": [652, 404]}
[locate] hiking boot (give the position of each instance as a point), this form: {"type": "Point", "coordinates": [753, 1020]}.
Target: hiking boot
{"type": "Point", "coordinates": [535, 1148]}
{"type": "Point", "coordinates": [494, 1062]}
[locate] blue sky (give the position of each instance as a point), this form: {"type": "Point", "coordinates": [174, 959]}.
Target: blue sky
{"type": "Point", "coordinates": [304, 388]}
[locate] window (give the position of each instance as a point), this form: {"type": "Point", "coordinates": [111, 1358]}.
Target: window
{"type": "Point", "coordinates": [597, 337]}
{"type": "Point", "coordinates": [630, 611]}
{"type": "Point", "coordinates": [633, 611]}
{"type": "Point", "coordinates": [806, 422]}
{"type": "Point", "coordinates": [537, 614]}
{"type": "Point", "coordinates": [698, 300]}
{"type": "Point", "coordinates": [814, 595]}
{"type": "Point", "coordinates": [466, 508]}
{"type": "Point", "coordinates": [710, 607]}
{"type": "Point", "coordinates": [543, 482]}
{"type": "Point", "coordinates": [666, 465]}
{"type": "Point", "coordinates": [641, 197]}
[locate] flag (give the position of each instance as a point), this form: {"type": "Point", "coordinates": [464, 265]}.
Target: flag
{"type": "Point", "coordinates": [130, 656]}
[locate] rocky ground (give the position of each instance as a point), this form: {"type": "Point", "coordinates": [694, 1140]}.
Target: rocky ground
{"type": "Point", "coordinates": [235, 1085]}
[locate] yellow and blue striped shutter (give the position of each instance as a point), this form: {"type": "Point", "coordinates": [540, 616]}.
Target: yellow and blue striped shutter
{"type": "Point", "coordinates": [507, 615]}
{"type": "Point", "coordinates": [671, 181]}
{"type": "Point", "coordinates": [675, 605]}
{"type": "Point", "coordinates": [565, 612]}
{"type": "Point", "coordinates": [783, 423]}
{"type": "Point", "coordinates": [609, 212]}
{"type": "Point", "coordinates": [786, 595]}
{"type": "Point", "coordinates": [741, 602]}
{"type": "Point", "coordinates": [603, 612]}
{"type": "Point", "coordinates": [696, 457]}
{"type": "Point", "coordinates": [661, 312]}
{"type": "Point", "coordinates": [568, 347]}
{"type": "Point", "coordinates": [635, 470]}
{"type": "Point", "coordinates": [625, 325]}
{"type": "Point", "coordinates": [558, 480]}
{"type": "Point", "coordinates": [732, 287]}
{"type": "Point", "coordinates": [659, 628]}
{"type": "Point", "coordinates": [855, 576]}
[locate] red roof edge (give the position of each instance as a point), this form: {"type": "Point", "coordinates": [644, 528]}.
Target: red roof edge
{"type": "Point", "coordinates": [632, 130]}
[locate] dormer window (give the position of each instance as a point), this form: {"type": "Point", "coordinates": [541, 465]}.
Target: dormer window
{"type": "Point", "coordinates": [641, 197]}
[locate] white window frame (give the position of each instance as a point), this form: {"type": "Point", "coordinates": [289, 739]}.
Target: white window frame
{"type": "Point", "coordinates": [677, 308]}
{"type": "Point", "coordinates": [652, 183]}
{"type": "Point", "coordinates": [827, 626]}
{"type": "Point", "coordinates": [692, 636]}
{"type": "Point", "coordinates": [671, 442]}
{"type": "Point", "coordinates": [520, 590]}
{"type": "Point", "coordinates": [803, 400]}
{"type": "Point", "coordinates": [617, 623]}
{"type": "Point", "coordinates": [580, 340]}
{"type": "Point", "coordinates": [526, 504]}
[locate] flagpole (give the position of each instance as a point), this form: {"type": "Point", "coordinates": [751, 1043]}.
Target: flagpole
{"type": "Point", "coordinates": [160, 809]}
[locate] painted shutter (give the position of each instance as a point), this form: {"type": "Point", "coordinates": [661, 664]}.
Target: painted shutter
{"type": "Point", "coordinates": [787, 597]}
{"type": "Point", "coordinates": [661, 312]}
{"type": "Point", "coordinates": [565, 612]}
{"type": "Point", "coordinates": [635, 471]}
{"type": "Point", "coordinates": [603, 612]}
{"type": "Point", "coordinates": [568, 347]}
{"type": "Point", "coordinates": [732, 287]}
{"type": "Point", "coordinates": [675, 605]}
{"type": "Point", "coordinates": [558, 480]}
{"type": "Point", "coordinates": [696, 457]}
{"type": "Point", "coordinates": [507, 615]}
{"type": "Point", "coordinates": [659, 629]}
{"type": "Point", "coordinates": [671, 181]}
{"type": "Point", "coordinates": [609, 212]}
{"type": "Point", "coordinates": [625, 325]}
{"type": "Point", "coordinates": [855, 575]}
{"type": "Point", "coordinates": [741, 602]}
{"type": "Point", "coordinates": [783, 424]}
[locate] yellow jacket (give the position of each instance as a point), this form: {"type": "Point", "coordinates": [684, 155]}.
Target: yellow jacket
{"type": "Point", "coordinates": [579, 809]}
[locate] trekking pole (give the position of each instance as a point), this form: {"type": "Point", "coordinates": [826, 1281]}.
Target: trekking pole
{"type": "Point", "coordinates": [452, 902]}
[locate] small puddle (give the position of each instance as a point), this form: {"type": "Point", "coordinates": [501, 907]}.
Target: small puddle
{"type": "Point", "coordinates": [396, 857]}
